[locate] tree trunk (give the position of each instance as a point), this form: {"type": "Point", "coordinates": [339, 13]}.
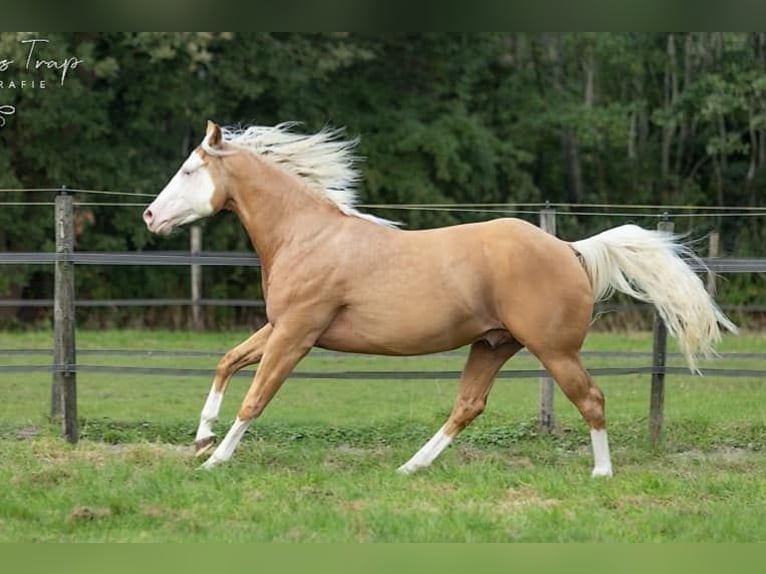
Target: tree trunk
{"type": "Point", "coordinates": [589, 70]}
{"type": "Point", "coordinates": [724, 162]}
{"type": "Point", "coordinates": [632, 136]}
{"type": "Point", "coordinates": [520, 49]}
{"type": "Point", "coordinates": [750, 175]}
{"type": "Point", "coordinates": [671, 95]}
{"type": "Point", "coordinates": [684, 131]}
{"type": "Point", "coordinates": [761, 147]}
{"type": "Point", "coordinates": [762, 132]}
{"type": "Point", "coordinates": [589, 66]}
{"type": "Point", "coordinates": [536, 54]}
{"type": "Point", "coordinates": [572, 155]}
{"type": "Point", "coordinates": [568, 137]}
{"type": "Point", "coordinates": [717, 160]}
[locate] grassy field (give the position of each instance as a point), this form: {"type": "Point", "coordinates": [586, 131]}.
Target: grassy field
{"type": "Point", "coordinates": [320, 464]}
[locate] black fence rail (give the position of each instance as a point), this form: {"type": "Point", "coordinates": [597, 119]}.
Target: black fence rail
{"type": "Point", "coordinates": [154, 302]}
{"type": "Point", "coordinates": [365, 375]}
{"type": "Point", "coordinates": [325, 354]}
{"type": "Point", "coordinates": [154, 258]}
{"type": "Point", "coordinates": [234, 259]}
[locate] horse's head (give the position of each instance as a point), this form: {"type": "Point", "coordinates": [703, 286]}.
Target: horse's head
{"type": "Point", "coordinates": [194, 191]}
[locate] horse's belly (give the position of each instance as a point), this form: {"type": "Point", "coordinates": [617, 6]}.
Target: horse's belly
{"type": "Point", "coordinates": [393, 333]}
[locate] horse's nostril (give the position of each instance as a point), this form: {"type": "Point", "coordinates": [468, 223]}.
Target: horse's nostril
{"type": "Point", "coordinates": [148, 216]}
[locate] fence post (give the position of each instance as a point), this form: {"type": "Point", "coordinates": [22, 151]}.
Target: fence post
{"type": "Point", "coordinates": [659, 354]}
{"type": "Point", "coordinates": [196, 278]}
{"type": "Point", "coordinates": [713, 243]}
{"type": "Point", "coordinates": [547, 224]}
{"type": "Point", "coordinates": [64, 388]}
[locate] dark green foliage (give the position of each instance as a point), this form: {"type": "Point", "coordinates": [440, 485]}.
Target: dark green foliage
{"type": "Point", "coordinates": [443, 118]}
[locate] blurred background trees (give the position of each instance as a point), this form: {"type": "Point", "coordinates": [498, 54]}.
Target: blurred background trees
{"type": "Point", "coordinates": [584, 118]}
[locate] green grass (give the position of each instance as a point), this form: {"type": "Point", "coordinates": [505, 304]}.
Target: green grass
{"type": "Point", "coordinates": [319, 465]}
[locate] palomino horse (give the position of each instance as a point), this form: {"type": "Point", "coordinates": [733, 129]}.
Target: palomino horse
{"type": "Point", "coordinates": [343, 280]}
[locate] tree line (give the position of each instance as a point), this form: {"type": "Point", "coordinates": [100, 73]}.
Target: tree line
{"type": "Point", "coordinates": [448, 118]}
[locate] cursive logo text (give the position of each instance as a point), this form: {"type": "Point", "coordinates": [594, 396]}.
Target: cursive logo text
{"type": "Point", "coordinates": [35, 60]}
{"type": "Point", "coordinates": [63, 66]}
{"type": "Point", "coordinates": [6, 110]}
{"type": "Point", "coordinates": [32, 62]}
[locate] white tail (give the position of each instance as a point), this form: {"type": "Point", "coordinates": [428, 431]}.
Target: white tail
{"type": "Point", "coordinates": [650, 266]}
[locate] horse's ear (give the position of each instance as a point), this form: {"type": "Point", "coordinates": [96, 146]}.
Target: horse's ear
{"type": "Point", "coordinates": [213, 135]}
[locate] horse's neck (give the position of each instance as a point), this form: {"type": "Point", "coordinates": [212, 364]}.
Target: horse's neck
{"type": "Point", "coordinates": [279, 214]}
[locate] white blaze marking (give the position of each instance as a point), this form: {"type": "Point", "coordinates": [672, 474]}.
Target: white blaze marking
{"type": "Point", "coordinates": [426, 455]}
{"type": "Point", "coordinates": [187, 196]}
{"type": "Point", "coordinates": [602, 461]}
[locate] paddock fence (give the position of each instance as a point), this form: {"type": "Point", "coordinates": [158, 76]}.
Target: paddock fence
{"type": "Point", "coordinates": [64, 367]}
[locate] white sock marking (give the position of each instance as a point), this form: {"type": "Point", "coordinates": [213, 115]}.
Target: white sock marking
{"type": "Point", "coordinates": [602, 460]}
{"type": "Point", "coordinates": [209, 414]}
{"type": "Point", "coordinates": [426, 455]}
{"type": "Point", "coordinates": [228, 444]}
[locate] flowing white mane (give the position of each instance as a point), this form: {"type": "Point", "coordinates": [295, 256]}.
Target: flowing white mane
{"type": "Point", "coordinates": [324, 160]}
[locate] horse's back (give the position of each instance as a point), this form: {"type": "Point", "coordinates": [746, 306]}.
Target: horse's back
{"type": "Point", "coordinates": [428, 290]}
{"type": "Point", "coordinates": [506, 253]}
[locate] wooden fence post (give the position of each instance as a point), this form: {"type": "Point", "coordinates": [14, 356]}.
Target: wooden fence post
{"type": "Point", "coordinates": [659, 354]}
{"type": "Point", "coordinates": [64, 388]}
{"type": "Point", "coordinates": [714, 241]}
{"type": "Point", "coordinates": [547, 224]}
{"type": "Point", "coordinates": [196, 279]}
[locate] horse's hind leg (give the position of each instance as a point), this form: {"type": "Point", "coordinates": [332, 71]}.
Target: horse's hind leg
{"type": "Point", "coordinates": [578, 386]}
{"type": "Point", "coordinates": [246, 353]}
{"type": "Point", "coordinates": [475, 383]}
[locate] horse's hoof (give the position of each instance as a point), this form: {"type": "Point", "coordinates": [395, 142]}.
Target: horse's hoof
{"type": "Point", "coordinates": [602, 473]}
{"type": "Point", "coordinates": [203, 445]}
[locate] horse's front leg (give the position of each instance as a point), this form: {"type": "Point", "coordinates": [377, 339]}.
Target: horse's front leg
{"type": "Point", "coordinates": [288, 343]}
{"type": "Point", "coordinates": [246, 353]}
